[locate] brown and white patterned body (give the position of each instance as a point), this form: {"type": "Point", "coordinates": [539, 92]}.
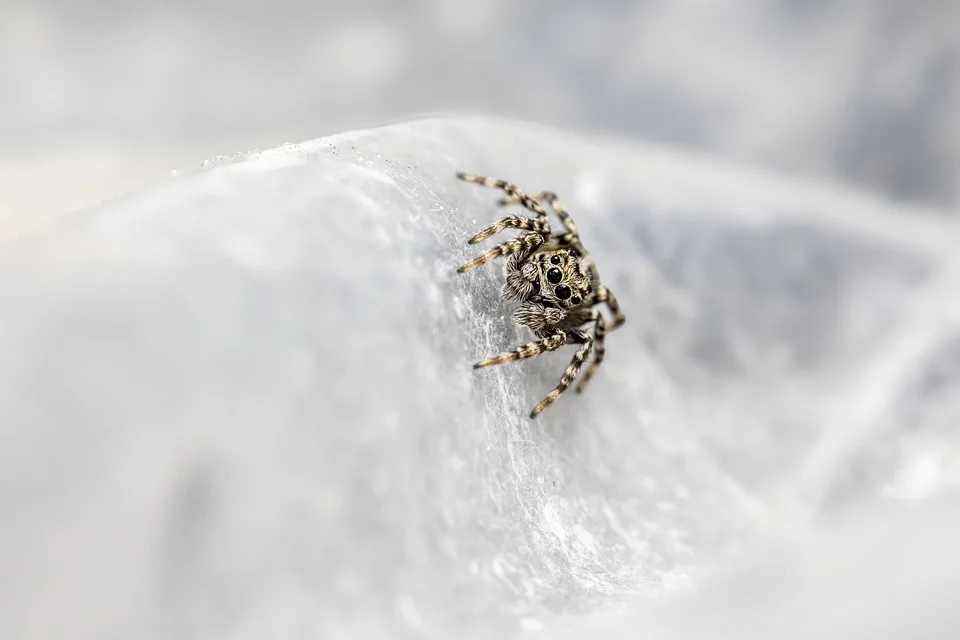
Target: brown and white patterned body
{"type": "Point", "coordinates": [554, 282]}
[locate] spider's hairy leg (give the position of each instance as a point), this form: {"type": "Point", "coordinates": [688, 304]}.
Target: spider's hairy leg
{"type": "Point", "coordinates": [572, 235]}
{"type": "Point", "coordinates": [511, 222]}
{"type": "Point", "coordinates": [529, 350]}
{"type": "Point", "coordinates": [513, 192]}
{"type": "Point", "coordinates": [599, 350]}
{"type": "Point", "coordinates": [569, 374]}
{"type": "Point", "coordinates": [552, 199]}
{"type": "Point", "coordinates": [605, 295]}
{"type": "Point", "coordinates": [523, 246]}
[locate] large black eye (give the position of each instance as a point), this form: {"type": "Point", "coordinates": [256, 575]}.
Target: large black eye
{"type": "Point", "coordinates": [555, 259]}
{"type": "Point", "coordinates": [554, 275]}
{"type": "Point", "coordinates": [575, 300]}
{"type": "Point", "coordinates": [563, 291]}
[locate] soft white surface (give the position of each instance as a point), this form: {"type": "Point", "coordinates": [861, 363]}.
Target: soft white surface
{"type": "Point", "coordinates": [240, 404]}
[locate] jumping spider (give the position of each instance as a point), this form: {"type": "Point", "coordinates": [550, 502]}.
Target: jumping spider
{"type": "Point", "coordinates": [555, 282]}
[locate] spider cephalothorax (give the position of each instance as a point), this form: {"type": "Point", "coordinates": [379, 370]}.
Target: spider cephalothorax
{"type": "Point", "coordinates": [556, 277]}
{"type": "Point", "coordinates": [553, 280]}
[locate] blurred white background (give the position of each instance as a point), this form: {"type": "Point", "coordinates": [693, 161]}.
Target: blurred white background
{"type": "Point", "coordinates": [102, 96]}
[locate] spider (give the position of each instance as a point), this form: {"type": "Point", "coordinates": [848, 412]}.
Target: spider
{"type": "Point", "coordinates": [554, 281]}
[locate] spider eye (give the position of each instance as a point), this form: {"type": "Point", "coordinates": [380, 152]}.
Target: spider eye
{"type": "Point", "coordinates": [555, 259]}
{"type": "Point", "coordinates": [563, 291]}
{"type": "Point", "coordinates": [554, 275]}
{"type": "Point", "coordinates": [575, 300]}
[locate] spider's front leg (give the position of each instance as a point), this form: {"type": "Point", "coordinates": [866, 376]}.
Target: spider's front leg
{"type": "Point", "coordinates": [529, 350]}
{"type": "Point", "coordinates": [572, 236]}
{"type": "Point", "coordinates": [571, 371]}
{"type": "Point", "coordinates": [538, 229]}
{"type": "Point", "coordinates": [523, 246]}
{"type": "Point", "coordinates": [513, 192]}
{"type": "Point", "coordinates": [602, 294]}
{"type": "Point", "coordinates": [605, 295]}
{"type": "Point", "coordinates": [512, 222]}
{"type": "Point", "coordinates": [599, 350]}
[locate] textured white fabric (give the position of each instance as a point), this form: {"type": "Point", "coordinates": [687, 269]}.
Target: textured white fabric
{"type": "Point", "coordinates": [240, 404]}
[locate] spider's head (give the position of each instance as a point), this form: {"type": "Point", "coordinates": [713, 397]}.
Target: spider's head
{"type": "Point", "coordinates": [564, 279]}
